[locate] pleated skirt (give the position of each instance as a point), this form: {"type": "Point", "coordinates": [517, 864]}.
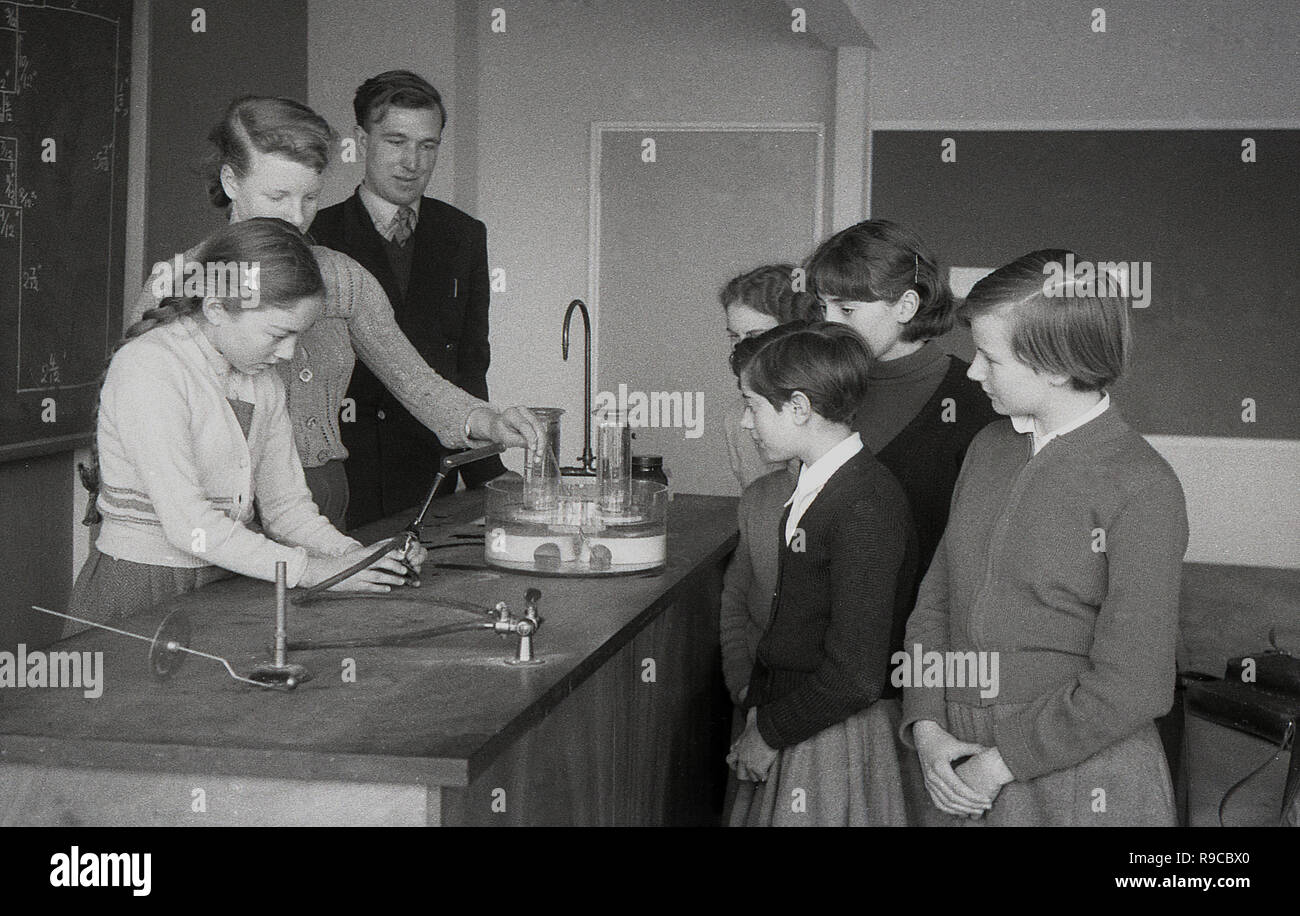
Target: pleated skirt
{"type": "Point", "coordinates": [1126, 784]}
{"type": "Point", "coordinates": [108, 590]}
{"type": "Point", "coordinates": [849, 775]}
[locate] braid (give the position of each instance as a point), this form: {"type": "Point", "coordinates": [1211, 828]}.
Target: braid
{"type": "Point", "coordinates": [167, 311]}
{"type": "Point", "coordinates": [288, 272]}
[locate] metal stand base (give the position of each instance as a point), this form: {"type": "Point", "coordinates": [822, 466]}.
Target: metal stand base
{"type": "Point", "coordinates": [289, 675]}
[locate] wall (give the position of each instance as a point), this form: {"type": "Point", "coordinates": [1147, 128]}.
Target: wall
{"type": "Point", "coordinates": [345, 46]}
{"type": "Point", "coordinates": [523, 99]}
{"type": "Point", "coordinates": [557, 68]}
{"type": "Point", "coordinates": [1006, 63]}
{"type": "Point", "coordinates": [249, 47]}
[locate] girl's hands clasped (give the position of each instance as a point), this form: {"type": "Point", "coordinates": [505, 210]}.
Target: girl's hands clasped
{"type": "Point", "coordinates": [937, 749]}
{"type": "Point", "coordinates": [986, 772]}
{"type": "Point", "coordinates": [751, 757]}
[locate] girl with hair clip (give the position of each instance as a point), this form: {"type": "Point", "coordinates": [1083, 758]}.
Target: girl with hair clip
{"type": "Point", "coordinates": [267, 158]}
{"type": "Point", "coordinates": [818, 749]}
{"type": "Point", "coordinates": [1062, 560]}
{"type": "Point", "coordinates": [192, 433]}
{"type": "Point", "coordinates": [920, 411]}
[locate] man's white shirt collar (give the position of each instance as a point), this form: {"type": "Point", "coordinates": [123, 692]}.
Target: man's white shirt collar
{"type": "Point", "coordinates": [383, 212]}
{"type": "Point", "coordinates": [1025, 424]}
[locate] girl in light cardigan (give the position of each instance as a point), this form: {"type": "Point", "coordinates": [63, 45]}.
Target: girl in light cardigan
{"type": "Point", "coordinates": [1062, 560]}
{"type": "Point", "coordinates": [193, 433]}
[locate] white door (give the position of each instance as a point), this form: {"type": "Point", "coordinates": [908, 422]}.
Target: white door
{"type": "Point", "coordinates": [677, 211]}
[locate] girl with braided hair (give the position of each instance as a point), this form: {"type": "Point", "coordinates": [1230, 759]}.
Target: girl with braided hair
{"type": "Point", "coordinates": [193, 434]}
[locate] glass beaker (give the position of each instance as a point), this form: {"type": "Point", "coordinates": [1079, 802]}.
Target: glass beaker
{"type": "Point", "coordinates": [613, 460]}
{"type": "Point", "coordinates": [542, 477]}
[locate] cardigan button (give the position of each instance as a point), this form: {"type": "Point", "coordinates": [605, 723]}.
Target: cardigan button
{"type": "Point", "coordinates": [312, 422]}
{"type": "Point", "coordinates": [451, 346]}
{"type": "Point", "coordinates": [322, 456]}
{"type": "Point", "coordinates": [305, 375]}
{"type": "Point", "coordinates": [380, 415]}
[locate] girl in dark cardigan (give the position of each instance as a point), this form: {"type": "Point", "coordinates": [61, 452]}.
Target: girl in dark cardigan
{"type": "Point", "coordinates": [920, 412]}
{"type": "Point", "coordinates": [816, 750]}
{"type": "Point", "coordinates": [1062, 560]}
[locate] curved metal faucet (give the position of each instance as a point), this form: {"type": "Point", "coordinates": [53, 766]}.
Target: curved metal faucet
{"type": "Point", "coordinates": [588, 459]}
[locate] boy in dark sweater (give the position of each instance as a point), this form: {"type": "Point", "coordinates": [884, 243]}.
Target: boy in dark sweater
{"type": "Point", "coordinates": [848, 553]}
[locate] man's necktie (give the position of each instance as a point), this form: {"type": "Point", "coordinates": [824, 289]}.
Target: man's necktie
{"type": "Point", "coordinates": [403, 225]}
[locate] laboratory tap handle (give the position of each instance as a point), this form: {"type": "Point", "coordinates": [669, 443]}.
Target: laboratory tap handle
{"type": "Point", "coordinates": [531, 597]}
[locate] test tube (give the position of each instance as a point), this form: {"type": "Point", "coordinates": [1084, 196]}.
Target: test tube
{"type": "Point", "coordinates": [613, 460]}
{"type": "Point", "coordinates": [542, 477]}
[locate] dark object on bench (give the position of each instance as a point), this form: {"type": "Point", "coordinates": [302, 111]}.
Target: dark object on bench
{"type": "Point", "coordinates": [1256, 708]}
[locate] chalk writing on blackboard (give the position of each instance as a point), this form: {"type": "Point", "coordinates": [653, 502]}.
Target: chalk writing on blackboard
{"type": "Point", "coordinates": [26, 77]}
{"type": "Point", "coordinates": [64, 85]}
{"type": "Point", "coordinates": [50, 371]}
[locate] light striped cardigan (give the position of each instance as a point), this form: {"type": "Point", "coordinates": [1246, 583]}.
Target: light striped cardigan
{"type": "Point", "coordinates": [178, 477]}
{"type": "Point", "coordinates": [358, 321]}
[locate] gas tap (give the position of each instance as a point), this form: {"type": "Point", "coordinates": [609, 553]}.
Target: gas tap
{"type": "Point", "coordinates": [524, 627]}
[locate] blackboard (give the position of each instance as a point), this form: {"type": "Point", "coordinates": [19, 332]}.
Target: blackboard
{"type": "Point", "coordinates": [64, 86]}
{"type": "Point", "coordinates": [1221, 235]}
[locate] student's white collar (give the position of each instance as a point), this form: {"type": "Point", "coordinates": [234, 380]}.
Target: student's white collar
{"type": "Point", "coordinates": [812, 477]}
{"type": "Point", "coordinates": [1025, 423]}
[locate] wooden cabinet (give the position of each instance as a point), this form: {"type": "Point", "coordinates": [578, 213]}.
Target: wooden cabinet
{"type": "Point", "coordinates": [625, 723]}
